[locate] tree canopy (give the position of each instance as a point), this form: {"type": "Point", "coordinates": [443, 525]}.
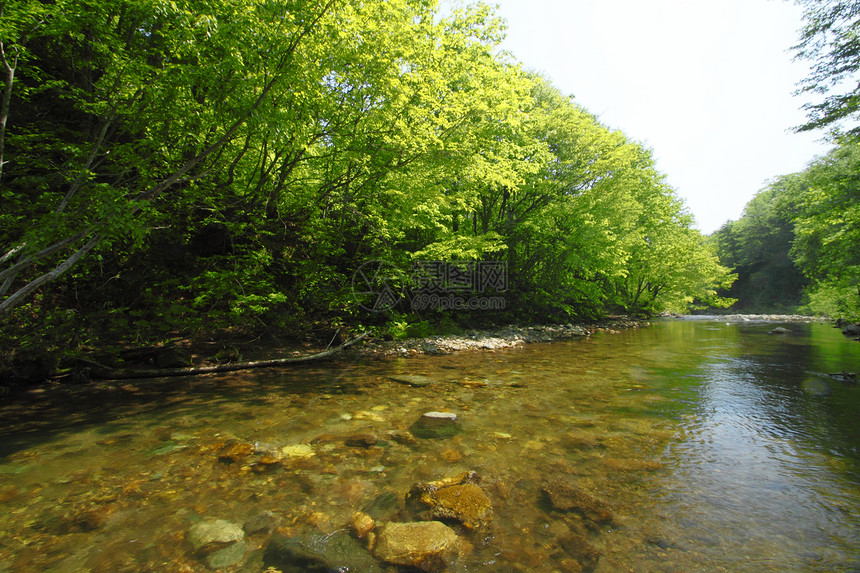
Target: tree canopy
{"type": "Point", "coordinates": [798, 242]}
{"type": "Point", "coordinates": [830, 41]}
{"type": "Point", "coordinates": [203, 164]}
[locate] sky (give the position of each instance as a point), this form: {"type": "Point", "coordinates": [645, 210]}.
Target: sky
{"type": "Point", "coordinates": [706, 84]}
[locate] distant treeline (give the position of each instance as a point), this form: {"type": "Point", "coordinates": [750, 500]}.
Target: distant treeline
{"type": "Point", "coordinates": [797, 245]}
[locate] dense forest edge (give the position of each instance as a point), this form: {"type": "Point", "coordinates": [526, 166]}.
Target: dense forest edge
{"type": "Point", "coordinates": [243, 169]}
{"type": "Point", "coordinates": [797, 246]}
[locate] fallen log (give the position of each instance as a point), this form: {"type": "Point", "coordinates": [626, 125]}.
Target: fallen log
{"type": "Point", "coordinates": [101, 372]}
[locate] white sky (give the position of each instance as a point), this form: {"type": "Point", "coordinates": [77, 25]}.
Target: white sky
{"type": "Point", "coordinates": [707, 84]}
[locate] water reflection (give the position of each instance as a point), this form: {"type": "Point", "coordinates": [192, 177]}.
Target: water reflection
{"type": "Point", "coordinates": [759, 447]}
{"type": "Point", "coordinates": [695, 445]}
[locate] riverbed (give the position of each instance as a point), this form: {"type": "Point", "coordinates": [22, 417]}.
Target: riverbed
{"type": "Point", "coordinates": [696, 445]}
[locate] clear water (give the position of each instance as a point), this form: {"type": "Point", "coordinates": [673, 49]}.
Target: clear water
{"type": "Point", "coordinates": [717, 447]}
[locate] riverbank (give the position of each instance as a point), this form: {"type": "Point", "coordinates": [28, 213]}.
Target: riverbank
{"type": "Point", "coordinates": [193, 357]}
{"type": "Point", "coordinates": [492, 339]}
{"type": "Point", "coordinates": [750, 317]}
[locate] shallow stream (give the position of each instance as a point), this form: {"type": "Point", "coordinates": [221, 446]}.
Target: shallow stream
{"type": "Point", "coordinates": [715, 447]}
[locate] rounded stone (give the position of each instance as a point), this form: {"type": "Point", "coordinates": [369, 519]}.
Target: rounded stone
{"type": "Point", "coordinates": [425, 545]}
{"type": "Point", "coordinates": [436, 425]}
{"type": "Point", "coordinates": [213, 534]}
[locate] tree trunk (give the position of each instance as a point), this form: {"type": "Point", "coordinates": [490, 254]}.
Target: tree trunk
{"type": "Point", "coordinates": [102, 372]}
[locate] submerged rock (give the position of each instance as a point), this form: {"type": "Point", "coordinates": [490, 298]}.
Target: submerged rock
{"type": "Point", "coordinates": [227, 557]}
{"type": "Point", "coordinates": [263, 522]}
{"type": "Point", "coordinates": [780, 330]}
{"type": "Point", "coordinates": [402, 437]}
{"type": "Point", "coordinates": [298, 451]}
{"type": "Point", "coordinates": [95, 518]}
{"type": "Point", "coordinates": [219, 543]}
{"type": "Point", "coordinates": [369, 416]}
{"type": "Point", "coordinates": [426, 545]}
{"type": "Point", "coordinates": [458, 499]}
{"type": "Point", "coordinates": [816, 387]}
{"type": "Point", "coordinates": [564, 496]}
{"type": "Point", "coordinates": [466, 503]}
{"type": "Point", "coordinates": [578, 547]}
{"type": "Point", "coordinates": [414, 380]}
{"type": "Point", "coordinates": [361, 524]}
{"type": "Point", "coordinates": [361, 440]}
{"type": "Point", "coordinates": [234, 451]}
{"type": "Point", "coordinates": [212, 534]}
{"type": "Point", "coordinates": [323, 553]}
{"type": "Point", "coordinates": [436, 425]}
{"type": "Point", "coordinates": [266, 460]}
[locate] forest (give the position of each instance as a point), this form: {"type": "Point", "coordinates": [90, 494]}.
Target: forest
{"type": "Point", "coordinates": [180, 168]}
{"type": "Point", "coordinates": [796, 247]}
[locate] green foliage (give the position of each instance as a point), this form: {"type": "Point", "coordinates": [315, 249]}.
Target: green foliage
{"type": "Point", "coordinates": [801, 235]}
{"type": "Point", "coordinates": [829, 40]}
{"type": "Point", "coordinates": [230, 164]}
{"type": "Point", "coordinates": [757, 246]}
{"type": "Point", "coordinates": [835, 299]}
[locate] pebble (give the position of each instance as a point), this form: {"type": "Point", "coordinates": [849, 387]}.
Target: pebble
{"type": "Point", "coordinates": [298, 451]}
{"type": "Point", "coordinates": [369, 416]}
{"type": "Point", "coordinates": [361, 524]}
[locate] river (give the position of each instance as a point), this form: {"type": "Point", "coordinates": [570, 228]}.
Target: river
{"type": "Point", "coordinates": [705, 446]}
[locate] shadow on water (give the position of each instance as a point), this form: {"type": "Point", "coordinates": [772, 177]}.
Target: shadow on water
{"type": "Point", "coordinates": [31, 417]}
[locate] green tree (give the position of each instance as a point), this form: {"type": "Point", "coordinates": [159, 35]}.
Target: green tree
{"type": "Point", "coordinates": [758, 247]}
{"type": "Point", "coordinates": [201, 164]}
{"type": "Point", "coordinates": [120, 102]}
{"type": "Point", "coordinates": [827, 231]}
{"type": "Point", "coordinates": [798, 240]}
{"type": "Point", "coordinates": [830, 40]}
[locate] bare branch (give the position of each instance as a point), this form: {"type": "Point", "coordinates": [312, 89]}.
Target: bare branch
{"type": "Point", "coordinates": [103, 372]}
{"type": "Point", "coordinates": [31, 260]}
{"type": "Point", "coordinates": [12, 252]}
{"type": "Point", "coordinates": [18, 297]}
{"type": "Point", "coordinates": [7, 98]}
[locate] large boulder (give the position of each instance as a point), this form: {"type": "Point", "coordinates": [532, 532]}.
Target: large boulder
{"type": "Point", "coordinates": [425, 545]}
